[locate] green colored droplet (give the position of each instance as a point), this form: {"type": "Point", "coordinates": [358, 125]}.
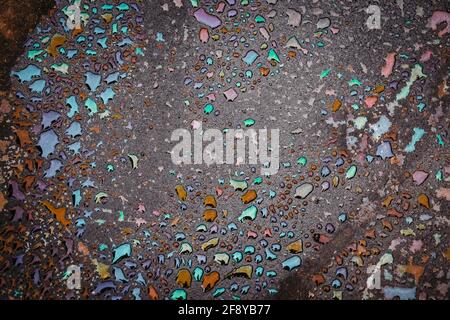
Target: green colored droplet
{"type": "Point", "coordinates": [302, 161]}
{"type": "Point", "coordinates": [439, 140]}
{"type": "Point", "coordinates": [178, 294]}
{"type": "Point", "coordinates": [208, 108]}
{"type": "Point", "coordinates": [421, 106]}
{"type": "Point", "coordinates": [248, 214]}
{"type": "Point", "coordinates": [123, 7]}
{"type": "Point", "coordinates": [259, 19]}
{"type": "Point", "coordinates": [272, 55]}
{"type": "Point", "coordinates": [258, 180]}
{"type": "Point", "coordinates": [238, 184]}
{"type": "Point", "coordinates": [218, 292]}
{"type": "Point", "coordinates": [439, 175]}
{"type": "Point", "coordinates": [249, 122]}
{"type": "Point", "coordinates": [91, 106]}
{"type": "Point", "coordinates": [354, 82]}
{"type": "Point", "coordinates": [351, 172]}
{"type": "Point", "coordinates": [32, 54]}
{"type": "Point", "coordinates": [325, 73]}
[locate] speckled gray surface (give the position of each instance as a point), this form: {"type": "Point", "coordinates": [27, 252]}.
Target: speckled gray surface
{"type": "Point", "coordinates": [375, 225]}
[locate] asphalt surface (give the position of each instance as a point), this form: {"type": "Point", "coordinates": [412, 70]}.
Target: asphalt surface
{"type": "Point", "coordinates": [363, 121]}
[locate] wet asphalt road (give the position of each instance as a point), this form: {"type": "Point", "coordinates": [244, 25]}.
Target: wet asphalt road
{"type": "Point", "coordinates": [375, 216]}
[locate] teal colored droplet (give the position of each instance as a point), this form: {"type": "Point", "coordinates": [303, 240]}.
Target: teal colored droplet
{"type": "Point", "coordinates": [302, 161]}
{"type": "Point", "coordinates": [258, 180]}
{"type": "Point", "coordinates": [351, 172]}
{"type": "Point", "coordinates": [272, 55]}
{"type": "Point", "coordinates": [218, 292]}
{"type": "Point", "coordinates": [421, 106]}
{"type": "Point", "coordinates": [249, 122]}
{"type": "Point", "coordinates": [124, 250]}
{"type": "Point", "coordinates": [439, 140]}
{"type": "Point", "coordinates": [32, 54]}
{"type": "Point", "coordinates": [260, 19]}
{"type": "Point", "coordinates": [91, 106]}
{"type": "Point", "coordinates": [198, 274]}
{"type": "Point", "coordinates": [178, 294]}
{"type": "Point", "coordinates": [237, 256]}
{"type": "Point", "coordinates": [354, 82]}
{"type": "Point", "coordinates": [208, 108]}
{"type": "Point", "coordinates": [139, 51]}
{"type": "Point", "coordinates": [123, 7]}
{"type": "Point", "coordinates": [325, 73]}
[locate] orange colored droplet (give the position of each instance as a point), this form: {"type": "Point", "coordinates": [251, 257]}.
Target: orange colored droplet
{"type": "Point", "coordinates": [175, 221]}
{"type": "Point", "coordinates": [318, 279]}
{"type": "Point", "coordinates": [210, 215]}
{"type": "Point", "coordinates": [3, 201]}
{"type": "Point", "coordinates": [24, 138]}
{"type": "Point", "coordinates": [249, 196]}
{"type": "Point", "coordinates": [264, 71]}
{"type": "Point", "coordinates": [76, 31]}
{"type": "Point", "coordinates": [181, 192]}
{"type": "Point", "coordinates": [210, 201]}
{"type": "Point", "coordinates": [379, 88]}
{"type": "Point", "coordinates": [295, 247]}
{"type": "Point", "coordinates": [28, 182]}
{"type": "Point", "coordinates": [83, 249]}
{"type": "Point", "coordinates": [387, 202]}
{"type": "Point", "coordinates": [336, 105]}
{"type": "Point", "coordinates": [57, 40]}
{"type": "Point", "coordinates": [60, 213]}
{"type": "Point", "coordinates": [184, 278]}
{"type": "Point", "coordinates": [210, 280]}
{"type": "Point", "coordinates": [152, 293]}
{"type": "Point", "coordinates": [107, 17]}
{"type": "Point", "coordinates": [415, 270]}
{"type": "Point", "coordinates": [423, 200]}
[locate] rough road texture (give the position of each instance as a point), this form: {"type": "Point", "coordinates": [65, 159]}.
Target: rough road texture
{"type": "Point", "coordinates": [17, 20]}
{"type": "Point", "coordinates": [359, 208]}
